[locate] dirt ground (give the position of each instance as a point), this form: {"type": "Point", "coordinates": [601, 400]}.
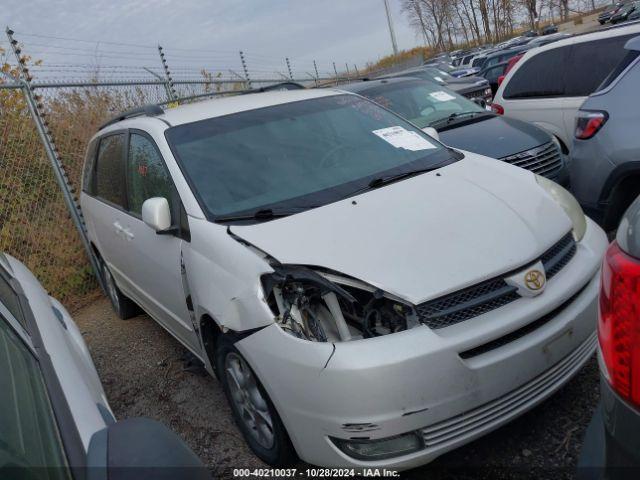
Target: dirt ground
{"type": "Point", "coordinates": [143, 371]}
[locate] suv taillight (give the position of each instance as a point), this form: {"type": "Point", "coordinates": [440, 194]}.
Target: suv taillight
{"type": "Point", "coordinates": [589, 122]}
{"type": "Point", "coordinates": [499, 109]}
{"type": "Point", "coordinates": [619, 322]}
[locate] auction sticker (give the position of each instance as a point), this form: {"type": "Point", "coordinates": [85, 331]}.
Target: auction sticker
{"type": "Point", "coordinates": [401, 138]}
{"type": "Point", "coordinates": [442, 96]}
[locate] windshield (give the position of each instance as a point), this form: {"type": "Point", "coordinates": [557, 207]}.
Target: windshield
{"type": "Point", "coordinates": [297, 155]}
{"type": "Point", "coordinates": [438, 74]}
{"type": "Point", "coordinates": [424, 103]}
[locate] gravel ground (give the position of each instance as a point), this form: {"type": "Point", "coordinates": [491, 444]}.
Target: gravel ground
{"type": "Point", "coordinates": [142, 369]}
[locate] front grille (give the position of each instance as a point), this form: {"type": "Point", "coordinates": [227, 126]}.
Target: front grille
{"type": "Point", "coordinates": [543, 160]}
{"type": "Point", "coordinates": [491, 294]}
{"type": "Point", "coordinates": [559, 255]}
{"type": "Point", "coordinates": [475, 93]}
{"type": "Point", "coordinates": [465, 304]}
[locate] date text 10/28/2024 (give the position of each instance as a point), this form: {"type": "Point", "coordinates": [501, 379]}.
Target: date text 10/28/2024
{"type": "Point", "coordinates": [314, 472]}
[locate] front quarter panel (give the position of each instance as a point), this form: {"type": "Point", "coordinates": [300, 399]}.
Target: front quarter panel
{"type": "Point", "coordinates": [224, 278]}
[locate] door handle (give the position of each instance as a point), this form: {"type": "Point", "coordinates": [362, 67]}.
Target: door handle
{"type": "Point", "coordinates": [128, 234]}
{"type": "Point", "coordinates": [118, 228]}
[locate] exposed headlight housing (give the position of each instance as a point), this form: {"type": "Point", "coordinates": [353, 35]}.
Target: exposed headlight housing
{"type": "Point", "coordinates": [568, 203]}
{"type": "Point", "coordinates": [321, 306]}
{"type": "Point", "coordinates": [381, 449]}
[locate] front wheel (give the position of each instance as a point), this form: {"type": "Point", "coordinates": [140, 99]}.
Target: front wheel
{"type": "Point", "coordinates": [251, 407]}
{"type": "Point", "coordinates": [124, 307]}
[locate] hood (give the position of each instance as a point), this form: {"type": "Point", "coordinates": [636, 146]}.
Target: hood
{"type": "Point", "coordinates": [495, 136]}
{"type": "Point", "coordinates": [425, 236]}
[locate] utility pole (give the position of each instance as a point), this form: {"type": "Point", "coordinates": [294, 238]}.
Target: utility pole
{"type": "Point", "coordinates": [394, 44]}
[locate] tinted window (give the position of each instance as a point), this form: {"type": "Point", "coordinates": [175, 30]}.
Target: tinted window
{"type": "Point", "coordinates": [87, 174]}
{"type": "Point", "coordinates": [539, 76]}
{"type": "Point", "coordinates": [109, 170]}
{"type": "Point", "coordinates": [147, 175]}
{"type": "Point", "coordinates": [590, 63]}
{"type": "Point", "coordinates": [297, 154]}
{"type": "Point", "coordinates": [10, 300]}
{"type": "Point", "coordinates": [28, 433]}
{"type": "Point", "coordinates": [621, 67]}
{"type": "Point", "coordinates": [492, 74]}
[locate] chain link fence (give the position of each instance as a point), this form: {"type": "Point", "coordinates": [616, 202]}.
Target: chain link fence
{"type": "Point", "coordinates": [49, 111]}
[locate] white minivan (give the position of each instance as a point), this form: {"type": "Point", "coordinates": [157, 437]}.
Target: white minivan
{"type": "Point", "coordinates": [367, 296]}
{"type": "Point", "coordinates": [550, 83]}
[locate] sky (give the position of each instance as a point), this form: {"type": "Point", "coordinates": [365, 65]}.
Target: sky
{"type": "Point", "coordinates": [211, 32]}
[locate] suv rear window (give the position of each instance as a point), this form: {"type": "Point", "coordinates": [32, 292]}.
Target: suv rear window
{"type": "Point", "coordinates": [626, 61]}
{"type": "Point", "coordinates": [110, 169]}
{"type": "Point", "coordinates": [538, 77]}
{"type": "Point", "coordinates": [590, 63]}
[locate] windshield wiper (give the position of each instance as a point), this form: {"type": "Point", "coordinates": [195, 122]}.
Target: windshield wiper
{"type": "Point", "coordinates": [455, 116]}
{"type": "Point", "coordinates": [382, 181]}
{"type": "Point", "coordinates": [263, 214]}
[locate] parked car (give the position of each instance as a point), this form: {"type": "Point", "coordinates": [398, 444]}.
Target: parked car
{"type": "Point", "coordinates": [501, 56]}
{"type": "Point", "coordinates": [605, 171]}
{"type": "Point", "coordinates": [609, 11]}
{"type": "Point", "coordinates": [622, 14]}
{"type": "Point", "coordinates": [56, 422]}
{"type": "Point", "coordinates": [549, 84]}
{"type": "Point", "coordinates": [547, 39]}
{"type": "Point", "coordinates": [550, 29]}
{"type": "Point", "coordinates": [471, 87]}
{"type": "Point", "coordinates": [302, 243]}
{"type": "Point", "coordinates": [635, 15]}
{"type": "Point", "coordinates": [463, 124]}
{"type": "Point", "coordinates": [496, 73]}
{"type": "Point", "coordinates": [611, 447]}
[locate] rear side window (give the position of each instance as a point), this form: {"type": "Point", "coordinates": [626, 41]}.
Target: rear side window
{"type": "Point", "coordinates": [590, 62]}
{"type": "Point", "coordinates": [89, 164]}
{"type": "Point", "coordinates": [147, 175]}
{"type": "Point", "coordinates": [539, 76]}
{"type": "Point", "coordinates": [110, 169]}
{"type": "Point", "coordinates": [622, 66]}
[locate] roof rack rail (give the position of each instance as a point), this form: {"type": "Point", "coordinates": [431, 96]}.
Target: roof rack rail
{"type": "Point", "coordinates": [288, 85]}
{"type": "Point", "coordinates": [150, 110]}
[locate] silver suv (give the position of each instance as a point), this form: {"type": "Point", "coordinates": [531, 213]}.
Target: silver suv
{"type": "Point", "coordinates": [605, 167]}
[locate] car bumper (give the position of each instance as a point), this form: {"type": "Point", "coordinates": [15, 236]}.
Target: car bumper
{"type": "Point", "coordinates": [611, 447]}
{"type": "Point", "coordinates": [421, 381]}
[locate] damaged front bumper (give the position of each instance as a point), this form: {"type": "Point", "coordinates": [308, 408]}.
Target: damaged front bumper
{"type": "Point", "coordinates": [420, 393]}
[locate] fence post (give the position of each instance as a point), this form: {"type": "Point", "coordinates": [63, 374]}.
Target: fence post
{"type": "Point", "coordinates": [245, 70]}
{"type": "Point", "coordinates": [315, 67]}
{"type": "Point", "coordinates": [348, 73]}
{"type": "Point", "coordinates": [171, 91]}
{"type": "Point", "coordinates": [36, 110]}
{"type": "Point", "coordinates": [355, 67]}
{"type": "Point", "coordinates": [289, 68]}
{"type": "Point", "coordinates": [336, 72]}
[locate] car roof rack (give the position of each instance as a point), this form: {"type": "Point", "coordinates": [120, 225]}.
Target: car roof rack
{"type": "Point", "coordinates": [276, 86]}
{"type": "Point", "coordinates": [150, 110]}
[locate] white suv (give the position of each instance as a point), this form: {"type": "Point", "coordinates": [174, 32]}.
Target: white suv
{"type": "Point", "coordinates": [550, 83]}
{"type": "Point", "coordinates": [366, 295]}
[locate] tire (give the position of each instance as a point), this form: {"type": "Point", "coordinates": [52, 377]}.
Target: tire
{"type": "Point", "coordinates": [249, 401]}
{"type": "Point", "coordinates": [124, 307]}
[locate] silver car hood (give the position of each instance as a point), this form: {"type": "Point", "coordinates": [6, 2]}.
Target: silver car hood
{"type": "Point", "coordinates": [425, 236]}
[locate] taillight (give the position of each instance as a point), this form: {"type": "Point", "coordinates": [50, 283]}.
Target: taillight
{"type": "Point", "coordinates": [496, 108]}
{"type": "Point", "coordinates": [619, 322]}
{"type": "Point", "coordinates": [588, 122]}
{"type": "Point", "coordinates": [500, 79]}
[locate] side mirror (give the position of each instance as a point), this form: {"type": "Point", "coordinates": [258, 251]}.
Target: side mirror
{"type": "Point", "coordinates": [156, 213]}
{"type": "Point", "coordinates": [141, 449]}
{"type": "Point", "coordinates": [432, 132]}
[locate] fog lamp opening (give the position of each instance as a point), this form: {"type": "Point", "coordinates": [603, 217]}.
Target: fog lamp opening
{"type": "Point", "coordinates": [363, 449]}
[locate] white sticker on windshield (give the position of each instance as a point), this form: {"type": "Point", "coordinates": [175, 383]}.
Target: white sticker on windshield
{"type": "Point", "coordinates": [442, 96]}
{"type": "Point", "coordinates": [401, 138]}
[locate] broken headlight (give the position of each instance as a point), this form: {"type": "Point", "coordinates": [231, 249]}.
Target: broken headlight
{"type": "Point", "coordinates": [321, 306]}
